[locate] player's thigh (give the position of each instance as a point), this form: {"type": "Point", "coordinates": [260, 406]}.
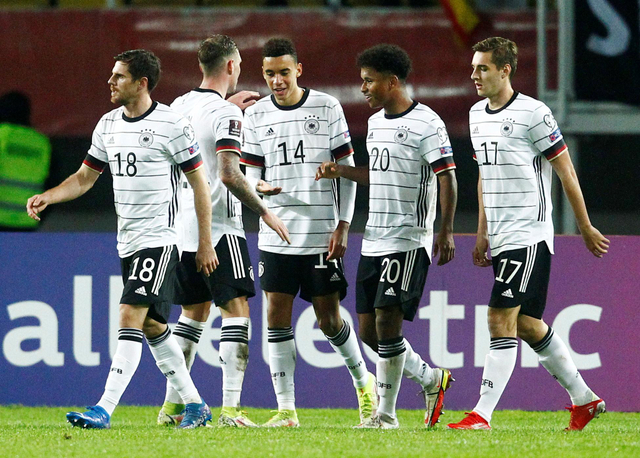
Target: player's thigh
{"type": "Point", "coordinates": [522, 279]}
{"type": "Point", "coordinates": [322, 278]}
{"type": "Point", "coordinates": [233, 278]}
{"type": "Point", "coordinates": [150, 280]}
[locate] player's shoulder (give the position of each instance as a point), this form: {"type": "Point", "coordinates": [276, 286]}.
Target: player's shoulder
{"type": "Point", "coordinates": [377, 116]}
{"type": "Point", "coordinates": [322, 98]}
{"type": "Point", "coordinates": [165, 113]}
{"type": "Point", "coordinates": [426, 113]}
{"type": "Point", "coordinates": [262, 105]}
{"type": "Point", "coordinates": [479, 106]}
{"type": "Point", "coordinates": [527, 103]}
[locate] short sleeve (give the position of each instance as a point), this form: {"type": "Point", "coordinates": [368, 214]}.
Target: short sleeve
{"type": "Point", "coordinates": [435, 147]}
{"type": "Point", "coordinates": [545, 134]}
{"type": "Point", "coordinates": [183, 147]}
{"type": "Point", "coordinates": [339, 136]}
{"type": "Point", "coordinates": [97, 158]}
{"type": "Point", "coordinates": [252, 155]}
{"type": "Point", "coordinates": [228, 131]}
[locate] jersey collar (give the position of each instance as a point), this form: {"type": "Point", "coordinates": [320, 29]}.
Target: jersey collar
{"type": "Point", "coordinates": [400, 115]}
{"type": "Point", "coordinates": [142, 116]}
{"type": "Point", "coordinates": [199, 89]}
{"type": "Point", "coordinates": [504, 107]}
{"type": "Point", "coordinates": [304, 98]}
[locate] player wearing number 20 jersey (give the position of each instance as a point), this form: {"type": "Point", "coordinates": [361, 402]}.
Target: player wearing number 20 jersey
{"type": "Point", "coordinates": [145, 155]}
{"type": "Point", "coordinates": [289, 142]}
{"type": "Point", "coordinates": [513, 147]}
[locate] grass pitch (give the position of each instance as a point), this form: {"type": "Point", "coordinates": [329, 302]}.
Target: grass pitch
{"type": "Point", "coordinates": [42, 432]}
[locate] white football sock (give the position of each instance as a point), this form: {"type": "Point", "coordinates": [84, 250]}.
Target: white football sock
{"type": "Point", "coordinates": [234, 356]}
{"type": "Point", "coordinates": [170, 361]}
{"type": "Point", "coordinates": [187, 333]}
{"type": "Point", "coordinates": [498, 367]}
{"type": "Point", "coordinates": [416, 369]}
{"type": "Point", "coordinates": [123, 366]}
{"type": "Point", "coordinates": [556, 359]}
{"type": "Point", "coordinates": [392, 355]}
{"type": "Point", "coordinates": [345, 343]}
{"type": "Point", "coordinates": [282, 363]}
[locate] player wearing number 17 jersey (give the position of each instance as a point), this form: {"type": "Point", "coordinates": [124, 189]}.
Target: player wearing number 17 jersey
{"type": "Point", "coordinates": [409, 155]}
{"type": "Point", "coordinates": [145, 144]}
{"type": "Point", "coordinates": [517, 144]}
{"type": "Point", "coordinates": [287, 135]}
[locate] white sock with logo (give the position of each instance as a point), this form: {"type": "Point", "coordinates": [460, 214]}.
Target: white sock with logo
{"type": "Point", "coordinates": [187, 333]}
{"type": "Point", "coordinates": [282, 363]}
{"type": "Point", "coordinates": [345, 343]}
{"type": "Point", "coordinates": [234, 356]}
{"type": "Point", "coordinates": [392, 355]}
{"type": "Point", "coordinates": [123, 366]}
{"type": "Point", "coordinates": [498, 367]}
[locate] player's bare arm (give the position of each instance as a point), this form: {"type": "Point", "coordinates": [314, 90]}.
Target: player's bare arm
{"type": "Point", "coordinates": [595, 241]}
{"type": "Point", "coordinates": [331, 170]}
{"type": "Point", "coordinates": [244, 99]}
{"type": "Point", "coordinates": [480, 258]}
{"type": "Point", "coordinates": [338, 241]}
{"type": "Point", "coordinates": [71, 188]}
{"type": "Point", "coordinates": [236, 182]}
{"type": "Point", "coordinates": [444, 244]}
{"type": "Point", "coordinates": [206, 258]}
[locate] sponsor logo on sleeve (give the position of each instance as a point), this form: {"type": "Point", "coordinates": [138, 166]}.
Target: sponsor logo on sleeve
{"type": "Point", "coordinates": [346, 134]}
{"type": "Point", "coordinates": [193, 149]}
{"type": "Point", "coordinates": [556, 134]}
{"type": "Point", "coordinates": [235, 127]}
{"type": "Point", "coordinates": [446, 151]}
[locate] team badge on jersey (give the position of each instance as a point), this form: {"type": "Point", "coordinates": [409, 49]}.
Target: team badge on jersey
{"type": "Point", "coordinates": [235, 127]}
{"type": "Point", "coordinates": [146, 139]}
{"type": "Point", "coordinates": [312, 125]}
{"type": "Point", "coordinates": [442, 134]}
{"type": "Point", "coordinates": [401, 135]}
{"type": "Point", "coordinates": [550, 121]}
{"type": "Point", "coordinates": [189, 133]}
{"type": "Point", "coordinates": [506, 128]}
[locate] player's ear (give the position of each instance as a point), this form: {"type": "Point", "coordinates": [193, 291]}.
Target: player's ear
{"type": "Point", "coordinates": [230, 66]}
{"type": "Point", "coordinates": [506, 70]}
{"type": "Point", "coordinates": [143, 83]}
{"type": "Point", "coordinates": [298, 70]}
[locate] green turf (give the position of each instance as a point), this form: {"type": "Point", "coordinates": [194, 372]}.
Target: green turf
{"type": "Point", "coordinates": [42, 432]}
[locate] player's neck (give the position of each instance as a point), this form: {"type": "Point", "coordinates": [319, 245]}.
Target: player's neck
{"type": "Point", "coordinates": [398, 104]}
{"type": "Point", "coordinates": [501, 98]}
{"type": "Point", "coordinates": [294, 98]}
{"type": "Point", "coordinates": [217, 85]}
{"type": "Point", "coordinates": [138, 107]}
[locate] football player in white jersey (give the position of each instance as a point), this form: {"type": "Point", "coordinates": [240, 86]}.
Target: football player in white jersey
{"type": "Point", "coordinates": [517, 144]}
{"type": "Point", "coordinates": [218, 127]}
{"type": "Point", "coordinates": [286, 136]}
{"type": "Point", "coordinates": [409, 155]}
{"type": "Point", "coordinates": [145, 144]}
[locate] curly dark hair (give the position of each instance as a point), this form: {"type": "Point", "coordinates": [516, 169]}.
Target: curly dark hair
{"type": "Point", "coordinates": [386, 58]}
{"type": "Point", "coordinates": [504, 52]}
{"type": "Point", "coordinates": [277, 47]}
{"type": "Point", "coordinates": [213, 51]}
{"type": "Point", "coordinates": [142, 63]}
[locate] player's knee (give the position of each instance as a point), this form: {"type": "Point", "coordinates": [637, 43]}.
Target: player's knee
{"type": "Point", "coordinates": [369, 339]}
{"type": "Point", "coordinates": [330, 324]}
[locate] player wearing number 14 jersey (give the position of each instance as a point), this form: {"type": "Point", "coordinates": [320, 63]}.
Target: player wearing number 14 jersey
{"type": "Point", "coordinates": [517, 144]}
{"type": "Point", "coordinates": [409, 155]}
{"type": "Point", "coordinates": [286, 136]}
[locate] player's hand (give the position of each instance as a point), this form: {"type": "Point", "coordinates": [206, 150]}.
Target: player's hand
{"type": "Point", "coordinates": [596, 243]}
{"type": "Point", "coordinates": [277, 225]}
{"type": "Point", "coordinates": [35, 205]}
{"type": "Point", "coordinates": [480, 258]}
{"type": "Point", "coordinates": [206, 259]}
{"type": "Point", "coordinates": [338, 241]}
{"type": "Point", "coordinates": [445, 246]}
{"type": "Point", "coordinates": [327, 170]}
{"type": "Point", "coordinates": [265, 188]}
{"type": "Point", "coordinates": [244, 99]}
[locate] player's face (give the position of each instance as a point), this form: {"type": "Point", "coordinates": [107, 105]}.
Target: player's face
{"type": "Point", "coordinates": [237, 60]}
{"type": "Point", "coordinates": [488, 79]}
{"type": "Point", "coordinates": [281, 74]}
{"type": "Point", "coordinates": [124, 90]}
{"type": "Point", "coordinates": [375, 87]}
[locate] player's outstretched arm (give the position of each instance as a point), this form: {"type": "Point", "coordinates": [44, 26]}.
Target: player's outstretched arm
{"type": "Point", "coordinates": [206, 257]}
{"type": "Point", "coordinates": [596, 243]}
{"type": "Point", "coordinates": [331, 170]}
{"type": "Point", "coordinates": [480, 258]}
{"type": "Point", "coordinates": [244, 99]}
{"type": "Point", "coordinates": [71, 188]}
{"type": "Point", "coordinates": [237, 183]}
{"type": "Point", "coordinates": [444, 244]}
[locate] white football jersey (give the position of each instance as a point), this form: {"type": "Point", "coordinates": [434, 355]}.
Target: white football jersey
{"type": "Point", "coordinates": [218, 126]}
{"type": "Point", "coordinates": [145, 155]}
{"type": "Point", "coordinates": [406, 152]}
{"type": "Point", "coordinates": [289, 143]}
{"type": "Point", "coordinates": [513, 147]}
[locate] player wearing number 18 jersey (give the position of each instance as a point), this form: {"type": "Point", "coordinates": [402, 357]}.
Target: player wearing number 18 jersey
{"type": "Point", "coordinates": [287, 135]}
{"type": "Point", "coordinates": [145, 144]}
{"type": "Point", "coordinates": [409, 155]}
{"type": "Point", "coordinates": [517, 144]}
